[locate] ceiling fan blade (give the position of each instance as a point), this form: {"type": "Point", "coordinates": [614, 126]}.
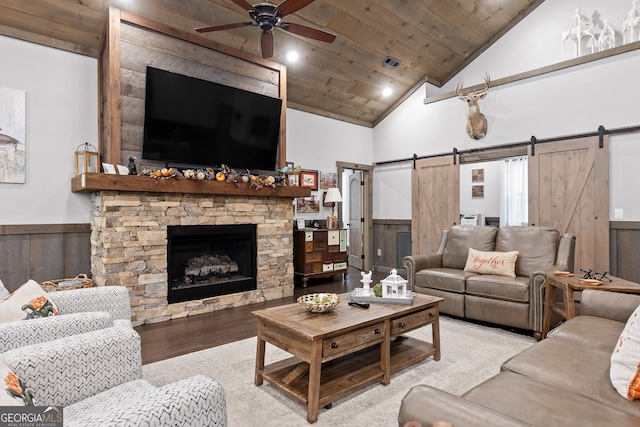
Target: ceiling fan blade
{"type": "Point", "coordinates": [305, 31]}
{"type": "Point", "coordinates": [243, 4]}
{"type": "Point", "coordinates": [290, 6]}
{"type": "Point", "coordinates": [223, 27]}
{"type": "Point", "coordinates": [266, 43]}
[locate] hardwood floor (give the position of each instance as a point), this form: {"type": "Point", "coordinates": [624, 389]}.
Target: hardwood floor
{"type": "Point", "coordinates": [181, 336]}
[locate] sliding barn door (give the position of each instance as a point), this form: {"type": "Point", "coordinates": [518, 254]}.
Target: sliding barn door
{"type": "Point", "coordinates": [569, 190]}
{"type": "Point", "coordinates": [435, 200]}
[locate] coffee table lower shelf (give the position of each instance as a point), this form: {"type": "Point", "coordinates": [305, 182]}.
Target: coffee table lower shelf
{"type": "Point", "coordinates": [343, 376]}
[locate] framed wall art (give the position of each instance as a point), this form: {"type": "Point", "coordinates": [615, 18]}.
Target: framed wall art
{"type": "Point", "coordinates": [477, 191]}
{"type": "Point", "coordinates": [325, 203]}
{"type": "Point", "coordinates": [307, 205]}
{"type": "Point", "coordinates": [477, 175]}
{"type": "Point", "coordinates": [328, 179]}
{"type": "Point", "coordinates": [309, 178]}
{"type": "Point", "coordinates": [13, 125]}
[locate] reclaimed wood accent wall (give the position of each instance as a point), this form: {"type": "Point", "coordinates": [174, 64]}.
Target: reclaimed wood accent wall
{"type": "Point", "coordinates": [624, 238]}
{"type": "Point", "coordinates": [385, 238]}
{"type": "Point", "coordinates": [131, 43]}
{"type": "Point", "coordinates": [43, 252]}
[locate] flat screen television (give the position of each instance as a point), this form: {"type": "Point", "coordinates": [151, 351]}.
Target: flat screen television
{"type": "Point", "coordinates": [189, 121]}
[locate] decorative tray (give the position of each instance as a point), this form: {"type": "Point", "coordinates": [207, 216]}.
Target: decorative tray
{"type": "Point", "coordinates": [356, 296]}
{"type": "Point", "coordinates": [592, 282]}
{"type": "Point", "coordinates": [563, 273]}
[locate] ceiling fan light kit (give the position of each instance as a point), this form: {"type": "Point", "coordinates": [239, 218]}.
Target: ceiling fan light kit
{"type": "Point", "coordinates": [268, 16]}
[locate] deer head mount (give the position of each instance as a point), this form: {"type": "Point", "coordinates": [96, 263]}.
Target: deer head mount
{"type": "Point", "coordinates": [476, 121]}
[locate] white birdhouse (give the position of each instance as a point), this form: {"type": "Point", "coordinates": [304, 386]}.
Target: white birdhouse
{"type": "Point", "coordinates": [394, 286]}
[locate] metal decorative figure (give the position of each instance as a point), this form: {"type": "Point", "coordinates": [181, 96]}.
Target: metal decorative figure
{"type": "Point", "coordinates": [607, 39]}
{"type": "Point", "coordinates": [595, 275]}
{"type": "Point", "coordinates": [630, 23]}
{"type": "Point", "coordinates": [578, 28]}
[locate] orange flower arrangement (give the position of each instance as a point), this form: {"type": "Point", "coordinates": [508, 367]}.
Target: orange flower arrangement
{"type": "Point", "coordinates": [13, 383]}
{"type": "Point", "coordinates": [16, 388]}
{"type": "Point", "coordinates": [39, 302]}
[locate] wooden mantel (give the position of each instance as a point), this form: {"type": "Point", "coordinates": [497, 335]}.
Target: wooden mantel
{"type": "Point", "coordinates": [93, 182]}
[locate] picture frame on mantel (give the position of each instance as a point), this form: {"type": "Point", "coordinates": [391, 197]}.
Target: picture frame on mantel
{"type": "Point", "coordinates": [309, 179]}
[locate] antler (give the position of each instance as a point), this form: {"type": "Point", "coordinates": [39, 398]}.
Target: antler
{"type": "Point", "coordinates": [487, 83]}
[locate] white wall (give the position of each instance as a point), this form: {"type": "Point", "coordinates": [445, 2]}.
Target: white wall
{"type": "Point", "coordinates": [565, 102]}
{"type": "Point", "coordinates": [317, 143]}
{"type": "Point", "coordinates": [489, 205]}
{"type": "Point", "coordinates": [61, 91]}
{"type": "Point", "coordinates": [62, 114]}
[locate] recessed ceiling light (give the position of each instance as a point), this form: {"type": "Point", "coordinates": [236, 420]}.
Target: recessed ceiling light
{"type": "Point", "coordinates": [386, 91]}
{"type": "Point", "coordinates": [292, 56]}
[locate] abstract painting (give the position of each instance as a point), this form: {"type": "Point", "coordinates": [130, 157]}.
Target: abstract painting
{"type": "Point", "coordinates": [12, 136]}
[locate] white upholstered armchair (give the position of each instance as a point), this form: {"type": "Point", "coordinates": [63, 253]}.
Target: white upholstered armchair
{"type": "Point", "coordinates": [81, 310]}
{"type": "Point", "coordinates": [97, 377]}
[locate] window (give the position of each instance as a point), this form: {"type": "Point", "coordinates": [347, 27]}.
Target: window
{"type": "Point", "coordinates": [514, 194]}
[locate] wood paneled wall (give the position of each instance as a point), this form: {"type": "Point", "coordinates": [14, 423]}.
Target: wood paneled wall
{"type": "Point", "coordinates": [56, 251]}
{"type": "Point", "coordinates": [385, 232]}
{"type": "Point", "coordinates": [131, 43]}
{"type": "Point", "coordinates": [43, 252]}
{"type": "Point", "coordinates": [624, 238]}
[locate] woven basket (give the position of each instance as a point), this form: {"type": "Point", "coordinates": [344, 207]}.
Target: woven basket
{"type": "Point", "coordinates": [80, 281]}
{"type": "Point", "coordinates": [307, 301]}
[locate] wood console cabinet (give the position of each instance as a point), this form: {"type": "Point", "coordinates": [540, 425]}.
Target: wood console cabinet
{"type": "Point", "coordinates": [319, 253]}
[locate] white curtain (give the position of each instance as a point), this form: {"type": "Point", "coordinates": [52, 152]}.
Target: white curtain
{"type": "Point", "coordinates": [514, 194]}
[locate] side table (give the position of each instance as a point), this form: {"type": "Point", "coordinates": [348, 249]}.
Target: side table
{"type": "Point", "coordinates": [569, 284]}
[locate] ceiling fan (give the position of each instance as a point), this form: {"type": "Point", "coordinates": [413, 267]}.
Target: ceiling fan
{"type": "Point", "coordinates": [268, 16]}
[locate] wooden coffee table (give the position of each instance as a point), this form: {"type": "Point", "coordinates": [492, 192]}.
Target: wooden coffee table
{"type": "Point", "coordinates": [570, 284]}
{"type": "Point", "coordinates": [344, 350]}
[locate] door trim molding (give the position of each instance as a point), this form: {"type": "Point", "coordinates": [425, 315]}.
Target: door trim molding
{"type": "Point", "coordinates": [367, 209]}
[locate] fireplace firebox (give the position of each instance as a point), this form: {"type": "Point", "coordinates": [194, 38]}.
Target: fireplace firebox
{"type": "Point", "coordinates": [210, 260]}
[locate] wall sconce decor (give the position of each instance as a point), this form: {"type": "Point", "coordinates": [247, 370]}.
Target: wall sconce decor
{"type": "Point", "coordinates": [87, 160]}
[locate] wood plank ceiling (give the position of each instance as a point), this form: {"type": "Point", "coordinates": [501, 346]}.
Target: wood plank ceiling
{"type": "Point", "coordinates": [432, 39]}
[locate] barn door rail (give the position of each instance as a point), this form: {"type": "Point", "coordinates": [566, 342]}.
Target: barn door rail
{"type": "Point", "coordinates": [600, 133]}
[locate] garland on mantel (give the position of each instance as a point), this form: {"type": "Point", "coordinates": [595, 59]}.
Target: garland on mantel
{"type": "Point", "coordinates": [224, 174]}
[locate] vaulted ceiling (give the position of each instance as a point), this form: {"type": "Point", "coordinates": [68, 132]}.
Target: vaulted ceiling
{"type": "Point", "coordinates": [432, 39]}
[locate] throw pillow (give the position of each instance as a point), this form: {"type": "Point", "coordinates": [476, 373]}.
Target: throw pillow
{"type": "Point", "coordinates": [3, 291]}
{"type": "Point", "coordinates": [496, 263]}
{"type": "Point", "coordinates": [27, 302]}
{"type": "Point", "coordinates": [625, 359]}
{"type": "Point", "coordinates": [16, 394]}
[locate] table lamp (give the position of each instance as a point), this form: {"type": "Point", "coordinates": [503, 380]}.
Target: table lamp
{"type": "Point", "coordinates": [333, 196]}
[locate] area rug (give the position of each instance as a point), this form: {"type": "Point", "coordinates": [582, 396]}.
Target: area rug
{"type": "Point", "coordinates": [470, 354]}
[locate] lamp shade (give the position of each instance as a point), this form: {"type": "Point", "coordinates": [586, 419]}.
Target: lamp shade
{"type": "Point", "coordinates": [333, 195]}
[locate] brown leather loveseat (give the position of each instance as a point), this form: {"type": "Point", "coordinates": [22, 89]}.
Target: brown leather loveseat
{"type": "Point", "coordinates": [510, 301]}
{"type": "Point", "coordinates": [564, 380]}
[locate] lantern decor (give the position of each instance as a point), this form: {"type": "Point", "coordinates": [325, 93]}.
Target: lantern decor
{"type": "Point", "coordinates": [333, 196]}
{"type": "Point", "coordinates": [87, 160]}
{"type": "Point", "coordinates": [394, 286]}
{"type": "Point", "coordinates": [393, 290]}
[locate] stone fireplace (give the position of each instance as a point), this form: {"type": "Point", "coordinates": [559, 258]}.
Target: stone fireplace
{"type": "Point", "coordinates": [130, 238]}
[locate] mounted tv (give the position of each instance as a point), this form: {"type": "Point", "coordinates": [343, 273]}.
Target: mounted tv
{"type": "Point", "coordinates": [194, 122]}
